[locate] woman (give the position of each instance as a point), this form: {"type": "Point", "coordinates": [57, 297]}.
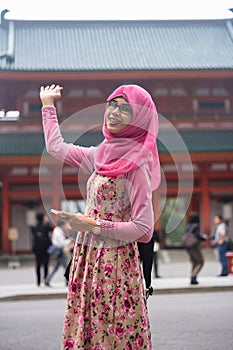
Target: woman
{"type": "Point", "coordinates": [40, 244]}
{"type": "Point", "coordinates": [106, 306]}
{"type": "Point", "coordinates": [220, 241]}
{"type": "Point", "coordinates": [195, 253]}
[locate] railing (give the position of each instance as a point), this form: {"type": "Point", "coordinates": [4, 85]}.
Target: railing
{"type": "Point", "coordinates": [198, 116]}
{"type": "Point", "coordinates": [187, 117]}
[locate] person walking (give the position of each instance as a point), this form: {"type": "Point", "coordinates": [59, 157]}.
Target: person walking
{"type": "Point", "coordinates": [106, 306]}
{"type": "Point", "coordinates": [220, 241]}
{"type": "Point", "coordinates": [40, 244]}
{"type": "Point", "coordinates": [146, 257]}
{"type": "Point", "coordinates": [194, 252]}
{"type": "Point", "coordinates": [156, 248]}
{"type": "Point", "coordinates": [61, 241]}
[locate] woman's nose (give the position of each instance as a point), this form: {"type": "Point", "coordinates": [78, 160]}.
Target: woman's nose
{"type": "Point", "coordinates": [116, 110]}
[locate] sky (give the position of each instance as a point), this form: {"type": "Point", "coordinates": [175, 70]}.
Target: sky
{"type": "Point", "coordinates": [119, 10]}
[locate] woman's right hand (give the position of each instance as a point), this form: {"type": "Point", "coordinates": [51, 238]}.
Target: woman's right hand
{"type": "Point", "coordinates": [50, 94]}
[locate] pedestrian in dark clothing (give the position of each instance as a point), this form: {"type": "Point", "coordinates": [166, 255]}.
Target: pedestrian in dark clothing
{"type": "Point", "coordinates": [195, 253]}
{"type": "Point", "coordinates": [40, 243]}
{"type": "Point", "coordinates": [146, 251]}
{"type": "Point", "coordinates": [157, 242]}
{"type": "Point", "coordinates": [60, 240]}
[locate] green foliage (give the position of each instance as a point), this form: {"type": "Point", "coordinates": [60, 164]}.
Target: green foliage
{"type": "Point", "coordinates": [179, 209]}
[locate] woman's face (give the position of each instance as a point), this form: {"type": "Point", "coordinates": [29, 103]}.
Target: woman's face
{"type": "Point", "coordinates": [118, 114]}
{"type": "Point", "coordinates": [217, 220]}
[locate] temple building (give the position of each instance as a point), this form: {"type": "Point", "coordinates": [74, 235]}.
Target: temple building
{"type": "Point", "coordinates": [186, 65]}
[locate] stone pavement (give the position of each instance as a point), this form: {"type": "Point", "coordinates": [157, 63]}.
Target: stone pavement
{"type": "Point", "coordinates": [174, 267]}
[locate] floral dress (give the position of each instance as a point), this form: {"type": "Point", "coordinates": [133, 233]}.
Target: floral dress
{"type": "Point", "coordinates": [106, 307]}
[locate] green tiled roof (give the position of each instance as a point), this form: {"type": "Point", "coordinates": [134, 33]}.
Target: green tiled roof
{"type": "Point", "coordinates": [118, 45]}
{"type": "Point", "coordinates": [197, 141]}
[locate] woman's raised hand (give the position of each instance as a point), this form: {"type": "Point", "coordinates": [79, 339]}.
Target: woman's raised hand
{"type": "Point", "coordinates": [50, 94]}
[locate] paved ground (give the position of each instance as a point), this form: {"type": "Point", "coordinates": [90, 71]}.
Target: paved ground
{"type": "Point", "coordinates": [19, 283]}
{"type": "Point", "coordinates": [191, 321]}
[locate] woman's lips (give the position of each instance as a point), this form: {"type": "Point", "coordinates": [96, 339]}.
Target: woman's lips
{"type": "Point", "coordinates": [114, 121]}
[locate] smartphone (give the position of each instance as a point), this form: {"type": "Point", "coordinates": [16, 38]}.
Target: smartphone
{"type": "Point", "coordinates": [58, 212]}
{"type": "Point", "coordinates": [54, 211]}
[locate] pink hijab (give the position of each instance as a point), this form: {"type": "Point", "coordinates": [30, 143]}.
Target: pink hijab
{"type": "Point", "coordinates": [135, 145]}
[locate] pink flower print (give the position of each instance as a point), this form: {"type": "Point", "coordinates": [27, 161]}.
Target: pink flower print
{"type": "Point", "coordinates": [110, 195]}
{"type": "Point", "coordinates": [131, 330]}
{"type": "Point", "coordinates": [69, 315]}
{"type": "Point", "coordinates": [126, 264]}
{"type": "Point", "coordinates": [73, 287]}
{"type": "Point", "coordinates": [118, 291]}
{"type": "Point", "coordinates": [90, 271]}
{"type": "Point", "coordinates": [81, 321]}
{"type": "Point", "coordinates": [98, 347]}
{"type": "Point", "coordinates": [128, 346]}
{"type": "Point", "coordinates": [106, 309]}
{"type": "Point", "coordinates": [69, 343]}
{"type": "Point", "coordinates": [144, 324]}
{"type": "Point", "coordinates": [86, 287]}
{"type": "Point", "coordinates": [98, 292]}
{"type": "Point", "coordinates": [100, 318]}
{"type": "Point", "coordinates": [120, 250]}
{"type": "Point", "coordinates": [131, 313]}
{"type": "Point", "coordinates": [127, 304]}
{"type": "Point", "coordinates": [108, 216]}
{"type": "Point", "coordinates": [86, 334]}
{"type": "Point", "coordinates": [93, 305]}
{"type": "Point", "coordinates": [138, 341]}
{"type": "Point", "coordinates": [103, 252]}
{"type": "Point", "coordinates": [108, 269]}
{"type": "Point", "coordinates": [130, 280]}
{"type": "Point", "coordinates": [66, 325]}
{"type": "Point", "coordinates": [105, 185]}
{"type": "Point", "coordinates": [119, 331]}
{"type": "Point", "coordinates": [110, 329]}
{"type": "Point", "coordinates": [76, 310]}
{"type": "Point", "coordinates": [109, 288]}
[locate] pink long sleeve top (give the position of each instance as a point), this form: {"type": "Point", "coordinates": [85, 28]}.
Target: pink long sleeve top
{"type": "Point", "coordinates": [140, 227]}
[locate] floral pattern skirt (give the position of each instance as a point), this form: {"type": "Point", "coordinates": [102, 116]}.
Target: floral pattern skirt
{"type": "Point", "coordinates": [106, 307]}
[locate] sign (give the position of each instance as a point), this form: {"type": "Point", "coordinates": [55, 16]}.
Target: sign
{"type": "Point", "coordinates": [13, 234]}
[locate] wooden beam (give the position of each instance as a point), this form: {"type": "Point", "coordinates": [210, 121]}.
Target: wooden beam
{"type": "Point", "coordinates": [119, 75]}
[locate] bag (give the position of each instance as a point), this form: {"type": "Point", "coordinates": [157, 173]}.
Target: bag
{"type": "Point", "coordinates": [229, 245]}
{"type": "Point", "coordinates": [189, 240]}
{"type": "Point", "coordinates": [67, 271]}
{"type": "Point", "coordinates": [53, 250]}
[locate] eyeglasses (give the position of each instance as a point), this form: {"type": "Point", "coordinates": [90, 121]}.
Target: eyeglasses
{"type": "Point", "coordinates": [124, 108]}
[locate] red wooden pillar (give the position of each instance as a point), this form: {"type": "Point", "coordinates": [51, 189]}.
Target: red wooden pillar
{"type": "Point", "coordinates": [5, 215]}
{"type": "Point", "coordinates": [155, 202]}
{"type": "Point", "coordinates": [205, 201]}
{"type": "Point", "coordinates": [195, 203]}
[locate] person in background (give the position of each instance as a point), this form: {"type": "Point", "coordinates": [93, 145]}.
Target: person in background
{"type": "Point", "coordinates": [220, 241]}
{"type": "Point", "coordinates": [106, 306]}
{"type": "Point", "coordinates": [40, 244]}
{"type": "Point", "coordinates": [61, 240]}
{"type": "Point", "coordinates": [146, 258]}
{"type": "Point", "coordinates": [157, 242]}
{"type": "Point", "coordinates": [195, 253]}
